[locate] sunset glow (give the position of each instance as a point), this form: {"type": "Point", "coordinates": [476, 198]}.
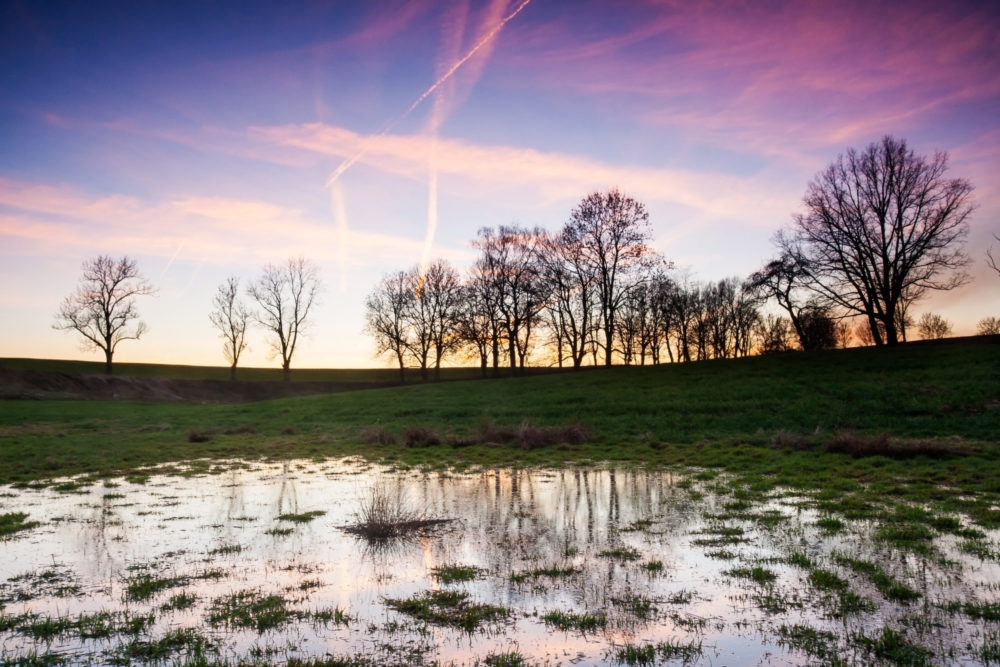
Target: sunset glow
{"type": "Point", "coordinates": [206, 140]}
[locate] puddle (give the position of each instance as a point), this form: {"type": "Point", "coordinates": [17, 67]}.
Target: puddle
{"type": "Point", "coordinates": [558, 567]}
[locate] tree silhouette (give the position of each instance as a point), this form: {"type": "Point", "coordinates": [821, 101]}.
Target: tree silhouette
{"type": "Point", "coordinates": [284, 296]}
{"type": "Point", "coordinates": [230, 317]}
{"type": "Point", "coordinates": [609, 230]}
{"type": "Point", "coordinates": [881, 227]}
{"type": "Point", "coordinates": [102, 309]}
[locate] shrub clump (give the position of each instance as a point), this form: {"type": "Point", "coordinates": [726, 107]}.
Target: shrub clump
{"type": "Point", "coordinates": [860, 446]}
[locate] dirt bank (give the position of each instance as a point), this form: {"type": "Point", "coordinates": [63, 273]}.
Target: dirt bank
{"type": "Point", "coordinates": [26, 384]}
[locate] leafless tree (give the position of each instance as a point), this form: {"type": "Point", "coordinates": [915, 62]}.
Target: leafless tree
{"type": "Point", "coordinates": [230, 317]}
{"type": "Point", "coordinates": [932, 326]}
{"type": "Point", "coordinates": [774, 333]}
{"type": "Point", "coordinates": [571, 288]}
{"type": "Point", "coordinates": [439, 293]}
{"type": "Point", "coordinates": [882, 226]}
{"type": "Point", "coordinates": [102, 309]}
{"type": "Point", "coordinates": [610, 231]}
{"type": "Point", "coordinates": [386, 310]}
{"type": "Point", "coordinates": [988, 326]}
{"type": "Point", "coordinates": [510, 273]}
{"type": "Point", "coordinates": [284, 296]}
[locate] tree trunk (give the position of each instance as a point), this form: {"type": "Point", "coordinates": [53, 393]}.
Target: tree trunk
{"type": "Point", "coordinates": [232, 373]}
{"type": "Point", "coordinates": [286, 372]}
{"type": "Point", "coordinates": [107, 362]}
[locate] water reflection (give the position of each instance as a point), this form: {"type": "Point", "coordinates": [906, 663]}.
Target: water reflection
{"type": "Point", "coordinates": [644, 551]}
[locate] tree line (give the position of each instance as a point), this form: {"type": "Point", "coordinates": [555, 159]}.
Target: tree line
{"type": "Point", "coordinates": [881, 228]}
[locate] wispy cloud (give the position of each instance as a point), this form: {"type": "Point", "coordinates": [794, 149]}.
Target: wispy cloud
{"type": "Point", "coordinates": [536, 177]}
{"type": "Point", "coordinates": [222, 231]}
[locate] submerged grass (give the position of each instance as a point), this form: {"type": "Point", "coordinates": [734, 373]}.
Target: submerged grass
{"type": "Point", "coordinates": [449, 607]}
{"type": "Point", "coordinates": [250, 609]}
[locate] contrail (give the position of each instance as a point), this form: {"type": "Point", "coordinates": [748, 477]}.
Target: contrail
{"type": "Point", "coordinates": [347, 164]}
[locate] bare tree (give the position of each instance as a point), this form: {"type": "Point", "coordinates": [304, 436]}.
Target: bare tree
{"type": "Point", "coordinates": [385, 317]}
{"type": "Point", "coordinates": [230, 317]}
{"type": "Point", "coordinates": [882, 226]}
{"type": "Point", "coordinates": [439, 290]}
{"type": "Point", "coordinates": [774, 334]}
{"type": "Point", "coordinates": [284, 296]}
{"type": "Point", "coordinates": [102, 309]}
{"type": "Point", "coordinates": [510, 273]}
{"type": "Point", "coordinates": [610, 231]}
{"type": "Point", "coordinates": [571, 289]}
{"type": "Point", "coordinates": [932, 326]}
{"type": "Point", "coordinates": [988, 326]}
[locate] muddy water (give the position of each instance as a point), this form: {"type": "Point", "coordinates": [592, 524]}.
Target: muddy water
{"type": "Point", "coordinates": [220, 534]}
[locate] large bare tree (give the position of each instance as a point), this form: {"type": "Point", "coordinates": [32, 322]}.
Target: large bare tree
{"type": "Point", "coordinates": [230, 317]}
{"type": "Point", "coordinates": [882, 226]}
{"type": "Point", "coordinates": [610, 231]}
{"type": "Point", "coordinates": [284, 296]}
{"type": "Point", "coordinates": [102, 309]}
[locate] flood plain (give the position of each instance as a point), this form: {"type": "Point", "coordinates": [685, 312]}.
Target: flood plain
{"type": "Point", "coordinates": [238, 563]}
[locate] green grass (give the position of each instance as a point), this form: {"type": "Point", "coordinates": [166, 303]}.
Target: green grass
{"type": "Point", "coordinates": [448, 574]}
{"type": "Point", "coordinates": [757, 574]}
{"type": "Point", "coordinates": [250, 609]}
{"type": "Point", "coordinates": [720, 415]}
{"type": "Point", "coordinates": [448, 607]}
{"type": "Point", "coordinates": [570, 621]}
{"type": "Point", "coordinates": [304, 517]}
{"type": "Point", "coordinates": [15, 522]}
{"type": "Point", "coordinates": [887, 585]}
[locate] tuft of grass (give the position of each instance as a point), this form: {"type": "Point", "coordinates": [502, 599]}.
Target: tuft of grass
{"type": "Point", "coordinates": [570, 621]}
{"type": "Point", "coordinates": [448, 574]}
{"type": "Point", "coordinates": [757, 574]}
{"type": "Point", "coordinates": [651, 654]}
{"type": "Point", "coordinates": [830, 524]}
{"type": "Point", "coordinates": [621, 553]}
{"type": "Point", "coordinates": [15, 522]}
{"type": "Point", "coordinates": [638, 605]}
{"type": "Point", "coordinates": [812, 642]}
{"type": "Point", "coordinates": [249, 609]}
{"type": "Point", "coordinates": [303, 517]}
{"type": "Point", "coordinates": [449, 607]}
{"type": "Point", "coordinates": [825, 580]}
{"type": "Point", "coordinates": [892, 646]}
{"type": "Point", "coordinates": [144, 586]}
{"type": "Point", "coordinates": [387, 513]}
{"type": "Point", "coordinates": [553, 571]}
{"type": "Point", "coordinates": [179, 601]}
{"type": "Point", "coordinates": [653, 566]}
{"type": "Point", "coordinates": [224, 549]}
{"type": "Point", "coordinates": [189, 640]}
{"type": "Point", "coordinates": [887, 585]}
{"type": "Point", "coordinates": [334, 615]}
{"type": "Point", "coordinates": [508, 659]}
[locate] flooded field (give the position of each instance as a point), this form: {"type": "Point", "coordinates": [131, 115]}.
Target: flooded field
{"type": "Point", "coordinates": [252, 564]}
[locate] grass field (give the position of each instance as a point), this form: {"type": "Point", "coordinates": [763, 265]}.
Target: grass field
{"type": "Point", "coordinates": [177, 372]}
{"type": "Point", "coordinates": [729, 413]}
{"type": "Point", "coordinates": [883, 463]}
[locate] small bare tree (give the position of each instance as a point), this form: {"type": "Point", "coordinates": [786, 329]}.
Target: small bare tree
{"type": "Point", "coordinates": [386, 309]}
{"type": "Point", "coordinates": [102, 309]}
{"type": "Point", "coordinates": [284, 296]}
{"type": "Point", "coordinates": [932, 326]}
{"type": "Point", "coordinates": [988, 326]}
{"type": "Point", "coordinates": [230, 317]}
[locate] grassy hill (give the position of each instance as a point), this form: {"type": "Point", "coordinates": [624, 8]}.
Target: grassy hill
{"type": "Point", "coordinates": [704, 413]}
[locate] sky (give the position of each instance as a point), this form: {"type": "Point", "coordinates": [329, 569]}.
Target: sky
{"type": "Point", "coordinates": [209, 139]}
